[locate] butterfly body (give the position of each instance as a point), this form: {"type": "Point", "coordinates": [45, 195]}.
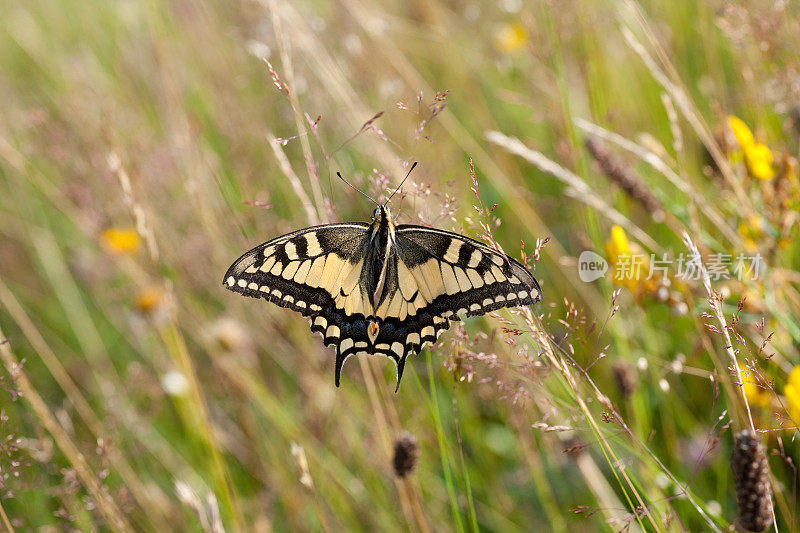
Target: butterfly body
{"type": "Point", "coordinates": [380, 288]}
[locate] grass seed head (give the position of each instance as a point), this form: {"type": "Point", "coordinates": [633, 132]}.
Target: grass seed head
{"type": "Point", "coordinates": [751, 475]}
{"type": "Point", "coordinates": [406, 454]}
{"type": "Point", "coordinates": [625, 378]}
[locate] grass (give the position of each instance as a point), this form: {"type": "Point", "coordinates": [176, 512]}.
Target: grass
{"type": "Point", "coordinates": [146, 145]}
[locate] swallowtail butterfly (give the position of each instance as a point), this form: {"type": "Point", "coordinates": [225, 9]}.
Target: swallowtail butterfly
{"type": "Point", "coordinates": [380, 288]}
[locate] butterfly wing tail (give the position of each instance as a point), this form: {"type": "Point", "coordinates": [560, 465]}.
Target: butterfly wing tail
{"type": "Point", "coordinates": [340, 359]}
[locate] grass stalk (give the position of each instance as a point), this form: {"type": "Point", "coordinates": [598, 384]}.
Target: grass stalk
{"type": "Point", "coordinates": [105, 505]}
{"type": "Point", "coordinates": [443, 450]}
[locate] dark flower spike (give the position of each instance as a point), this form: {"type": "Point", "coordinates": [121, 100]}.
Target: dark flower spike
{"type": "Point", "coordinates": [753, 489]}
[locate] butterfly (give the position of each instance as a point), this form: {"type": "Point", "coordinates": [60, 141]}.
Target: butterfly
{"type": "Point", "coordinates": [379, 288]}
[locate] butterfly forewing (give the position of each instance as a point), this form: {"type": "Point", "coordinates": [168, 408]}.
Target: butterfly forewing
{"type": "Point", "coordinates": [459, 276]}
{"type": "Point", "coordinates": [300, 270]}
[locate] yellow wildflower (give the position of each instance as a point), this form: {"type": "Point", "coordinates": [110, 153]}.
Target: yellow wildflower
{"type": "Point", "coordinates": [757, 156]}
{"type": "Point", "coordinates": [758, 159]}
{"type": "Point", "coordinates": [789, 185]}
{"type": "Point", "coordinates": [149, 300]}
{"type": "Point", "coordinates": [510, 37]}
{"type": "Point", "coordinates": [755, 392]}
{"type": "Point", "coordinates": [740, 130]}
{"type": "Point", "coordinates": [120, 241]}
{"type": "Point", "coordinates": [629, 266]}
{"type": "Point", "coordinates": [752, 231]}
{"type": "Point", "coordinates": [619, 240]}
{"type": "Point", "coordinates": [792, 393]}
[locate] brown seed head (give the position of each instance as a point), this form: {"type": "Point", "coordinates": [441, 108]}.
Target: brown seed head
{"type": "Point", "coordinates": [753, 490]}
{"type": "Point", "coordinates": [625, 377]}
{"type": "Point", "coordinates": [406, 454]}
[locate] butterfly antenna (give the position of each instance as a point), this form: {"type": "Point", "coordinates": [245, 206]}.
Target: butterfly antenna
{"type": "Point", "coordinates": [410, 170]}
{"type": "Point", "coordinates": [356, 188]}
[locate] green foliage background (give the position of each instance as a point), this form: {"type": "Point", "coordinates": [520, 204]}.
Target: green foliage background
{"type": "Point", "coordinates": [199, 412]}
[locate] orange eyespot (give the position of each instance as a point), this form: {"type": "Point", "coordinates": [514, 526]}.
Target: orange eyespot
{"type": "Point", "coordinates": [372, 331]}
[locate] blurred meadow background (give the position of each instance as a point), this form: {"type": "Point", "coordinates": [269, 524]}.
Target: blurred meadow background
{"type": "Point", "coordinates": [145, 145]}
